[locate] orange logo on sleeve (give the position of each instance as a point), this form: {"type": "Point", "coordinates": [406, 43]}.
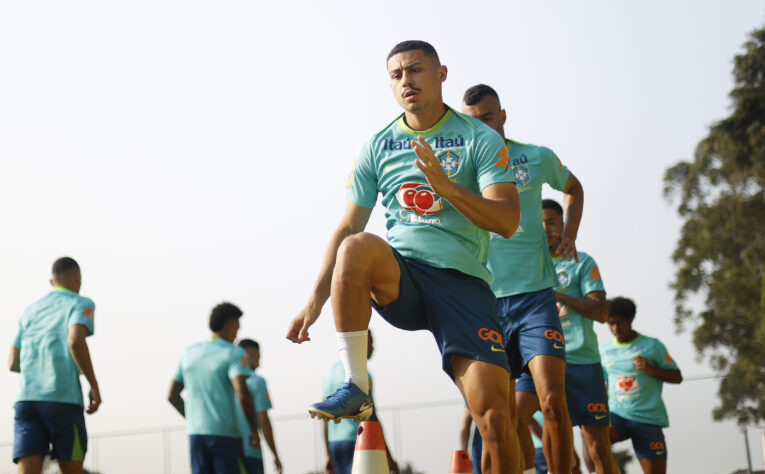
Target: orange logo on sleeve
{"type": "Point", "coordinates": [243, 362]}
{"type": "Point", "coordinates": [503, 158]}
{"type": "Point", "coordinates": [88, 312]}
{"type": "Point", "coordinates": [595, 274]}
{"type": "Point", "coordinates": [667, 358]}
{"type": "Point", "coordinates": [560, 165]}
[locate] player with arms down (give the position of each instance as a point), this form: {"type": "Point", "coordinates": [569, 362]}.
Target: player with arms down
{"type": "Point", "coordinates": [444, 182]}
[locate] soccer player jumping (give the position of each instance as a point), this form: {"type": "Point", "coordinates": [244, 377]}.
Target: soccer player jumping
{"type": "Point", "coordinates": [444, 182]}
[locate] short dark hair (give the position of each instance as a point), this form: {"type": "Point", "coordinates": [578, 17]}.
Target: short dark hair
{"type": "Point", "coordinates": [476, 94]}
{"type": "Point", "coordinates": [249, 344]}
{"type": "Point", "coordinates": [623, 307]}
{"type": "Point", "coordinates": [222, 313]}
{"type": "Point", "coordinates": [63, 266]}
{"type": "Point", "coordinates": [411, 45]}
{"type": "Point", "coordinates": [552, 205]}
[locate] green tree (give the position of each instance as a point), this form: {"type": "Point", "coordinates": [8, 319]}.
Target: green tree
{"type": "Point", "coordinates": [720, 255]}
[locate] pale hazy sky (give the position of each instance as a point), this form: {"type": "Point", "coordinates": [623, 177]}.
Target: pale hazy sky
{"type": "Point", "coordinates": [191, 152]}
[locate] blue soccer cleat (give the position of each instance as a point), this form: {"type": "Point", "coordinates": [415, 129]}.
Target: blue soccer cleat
{"type": "Point", "coordinates": [349, 401]}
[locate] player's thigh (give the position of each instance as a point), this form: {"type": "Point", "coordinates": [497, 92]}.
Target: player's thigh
{"type": "Point", "coordinates": [30, 464]}
{"type": "Point", "coordinates": [370, 256]}
{"type": "Point", "coordinates": [484, 385]}
{"type": "Point", "coordinates": [596, 438]}
{"type": "Point", "coordinates": [549, 374]}
{"type": "Point", "coordinates": [653, 466]}
{"type": "Point", "coordinates": [70, 467]}
{"type": "Point", "coordinates": [527, 404]}
{"type": "Point", "coordinates": [619, 430]}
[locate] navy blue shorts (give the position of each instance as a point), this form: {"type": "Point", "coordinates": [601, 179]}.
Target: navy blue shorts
{"type": "Point", "coordinates": [540, 462]}
{"type": "Point", "coordinates": [585, 394]}
{"type": "Point", "coordinates": [647, 440]}
{"type": "Point", "coordinates": [38, 425]}
{"type": "Point", "coordinates": [341, 454]}
{"type": "Point", "coordinates": [531, 327]}
{"type": "Point", "coordinates": [458, 309]}
{"type": "Point", "coordinates": [212, 454]}
{"type": "Point", "coordinates": [254, 465]}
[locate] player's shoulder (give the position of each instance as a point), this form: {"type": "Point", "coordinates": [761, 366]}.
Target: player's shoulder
{"type": "Point", "coordinates": [584, 258]}
{"type": "Point", "coordinates": [651, 341]}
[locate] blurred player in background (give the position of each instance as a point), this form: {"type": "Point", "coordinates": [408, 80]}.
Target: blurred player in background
{"type": "Point", "coordinates": [524, 276]}
{"type": "Point", "coordinates": [340, 438]}
{"type": "Point", "coordinates": [636, 368]}
{"type": "Point", "coordinates": [50, 352]}
{"type": "Point", "coordinates": [253, 457]}
{"type": "Point", "coordinates": [444, 182]}
{"type": "Point", "coordinates": [214, 374]}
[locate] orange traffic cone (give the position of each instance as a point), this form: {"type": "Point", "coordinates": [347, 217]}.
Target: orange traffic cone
{"type": "Point", "coordinates": [460, 463]}
{"type": "Point", "coordinates": [369, 454]}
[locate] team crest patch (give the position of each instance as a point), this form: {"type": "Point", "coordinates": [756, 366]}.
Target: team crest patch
{"type": "Point", "coordinates": [564, 279]}
{"type": "Point", "coordinates": [521, 175]}
{"type": "Point", "coordinates": [450, 163]}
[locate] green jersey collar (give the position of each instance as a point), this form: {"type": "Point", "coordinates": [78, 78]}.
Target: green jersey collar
{"type": "Point", "coordinates": [61, 288]}
{"type": "Point", "coordinates": [426, 133]}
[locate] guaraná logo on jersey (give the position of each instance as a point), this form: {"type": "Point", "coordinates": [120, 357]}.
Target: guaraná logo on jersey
{"type": "Point", "coordinates": [521, 175]}
{"type": "Point", "coordinates": [418, 197]}
{"type": "Point", "coordinates": [564, 278]}
{"type": "Point", "coordinates": [627, 383]}
{"type": "Point", "coordinates": [450, 162]}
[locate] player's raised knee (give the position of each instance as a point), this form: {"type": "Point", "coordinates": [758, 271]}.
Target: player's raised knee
{"type": "Point", "coordinates": [360, 250]}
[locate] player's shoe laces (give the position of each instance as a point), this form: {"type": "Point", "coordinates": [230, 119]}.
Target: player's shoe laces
{"type": "Point", "coordinates": [349, 401]}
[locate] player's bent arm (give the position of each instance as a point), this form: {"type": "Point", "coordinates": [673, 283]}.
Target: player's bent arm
{"type": "Point", "coordinates": [78, 347]}
{"type": "Point", "coordinates": [593, 306]}
{"type": "Point", "coordinates": [497, 209]}
{"type": "Point", "coordinates": [246, 403]}
{"type": "Point", "coordinates": [573, 203]}
{"type": "Point", "coordinates": [14, 364]}
{"type": "Point", "coordinates": [268, 433]}
{"type": "Point", "coordinates": [354, 220]}
{"type": "Point", "coordinates": [467, 422]}
{"type": "Point", "coordinates": [175, 398]}
{"type": "Point", "coordinates": [665, 375]}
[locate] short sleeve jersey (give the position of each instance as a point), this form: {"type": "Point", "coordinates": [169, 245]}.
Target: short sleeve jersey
{"type": "Point", "coordinates": [422, 225]}
{"type": "Point", "coordinates": [577, 279]}
{"type": "Point", "coordinates": [48, 371]}
{"type": "Point", "coordinates": [522, 263]}
{"type": "Point", "coordinates": [334, 378]}
{"type": "Point", "coordinates": [206, 370]}
{"type": "Point", "coordinates": [262, 401]}
{"type": "Point", "coordinates": [633, 394]}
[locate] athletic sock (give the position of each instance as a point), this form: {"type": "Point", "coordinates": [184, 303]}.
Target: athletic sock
{"type": "Point", "coordinates": [530, 470]}
{"type": "Point", "coordinates": [353, 354]}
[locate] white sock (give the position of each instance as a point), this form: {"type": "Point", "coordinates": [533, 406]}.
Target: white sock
{"type": "Point", "coordinates": [530, 470]}
{"type": "Point", "coordinates": [353, 354]}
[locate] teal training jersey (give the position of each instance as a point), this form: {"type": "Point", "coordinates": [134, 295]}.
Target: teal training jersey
{"type": "Point", "coordinates": [421, 225]}
{"type": "Point", "coordinates": [541, 420]}
{"type": "Point", "coordinates": [48, 371]}
{"type": "Point", "coordinates": [262, 402]}
{"type": "Point", "coordinates": [522, 263]}
{"type": "Point", "coordinates": [334, 378]}
{"type": "Point", "coordinates": [577, 279]}
{"type": "Point", "coordinates": [633, 394]}
{"type": "Point", "coordinates": [206, 370]}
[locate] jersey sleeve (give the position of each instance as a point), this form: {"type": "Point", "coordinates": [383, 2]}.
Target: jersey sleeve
{"type": "Point", "coordinates": [238, 364]}
{"type": "Point", "coordinates": [555, 173]}
{"type": "Point", "coordinates": [362, 180]}
{"type": "Point", "coordinates": [492, 161]}
{"type": "Point", "coordinates": [262, 400]}
{"type": "Point", "coordinates": [664, 360]}
{"type": "Point", "coordinates": [17, 339]}
{"type": "Point", "coordinates": [83, 312]}
{"type": "Point", "coordinates": [589, 277]}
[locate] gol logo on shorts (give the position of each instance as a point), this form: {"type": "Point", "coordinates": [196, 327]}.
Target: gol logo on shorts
{"type": "Point", "coordinates": [597, 408]}
{"type": "Point", "coordinates": [554, 335]}
{"type": "Point", "coordinates": [489, 335]}
{"type": "Point", "coordinates": [656, 445]}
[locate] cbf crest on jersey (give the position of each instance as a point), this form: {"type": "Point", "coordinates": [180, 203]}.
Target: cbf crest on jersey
{"type": "Point", "coordinates": [450, 162]}
{"type": "Point", "coordinates": [521, 175]}
{"type": "Point", "coordinates": [564, 278]}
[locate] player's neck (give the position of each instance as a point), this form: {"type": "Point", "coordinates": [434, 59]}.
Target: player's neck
{"type": "Point", "coordinates": [629, 338]}
{"type": "Point", "coordinates": [425, 119]}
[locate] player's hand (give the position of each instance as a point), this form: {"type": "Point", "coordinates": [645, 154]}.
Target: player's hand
{"type": "Point", "coordinates": [431, 168]}
{"type": "Point", "coordinates": [278, 464]}
{"type": "Point", "coordinates": [95, 399]}
{"type": "Point", "coordinates": [641, 363]}
{"type": "Point", "coordinates": [298, 328]}
{"type": "Point", "coordinates": [567, 248]}
{"type": "Point", "coordinates": [329, 468]}
{"type": "Point", "coordinates": [254, 440]}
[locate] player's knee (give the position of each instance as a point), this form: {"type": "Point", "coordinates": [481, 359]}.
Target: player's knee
{"type": "Point", "coordinates": [553, 406]}
{"type": "Point", "coordinates": [356, 254]}
{"type": "Point", "coordinates": [493, 425]}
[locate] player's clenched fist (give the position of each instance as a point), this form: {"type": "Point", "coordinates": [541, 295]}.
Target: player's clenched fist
{"type": "Point", "coordinates": [298, 328]}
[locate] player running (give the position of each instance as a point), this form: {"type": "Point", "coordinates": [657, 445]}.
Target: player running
{"type": "Point", "coordinates": [50, 352]}
{"type": "Point", "coordinates": [214, 374]}
{"type": "Point", "coordinates": [444, 182]}
{"type": "Point", "coordinates": [581, 301]}
{"type": "Point", "coordinates": [253, 457]}
{"type": "Point", "coordinates": [524, 275]}
{"type": "Point", "coordinates": [636, 368]}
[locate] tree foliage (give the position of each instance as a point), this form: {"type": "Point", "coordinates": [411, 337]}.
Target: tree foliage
{"type": "Point", "coordinates": [720, 255]}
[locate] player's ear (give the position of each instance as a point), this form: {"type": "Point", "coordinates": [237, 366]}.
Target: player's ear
{"type": "Point", "coordinates": [442, 73]}
{"type": "Point", "coordinates": [502, 117]}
